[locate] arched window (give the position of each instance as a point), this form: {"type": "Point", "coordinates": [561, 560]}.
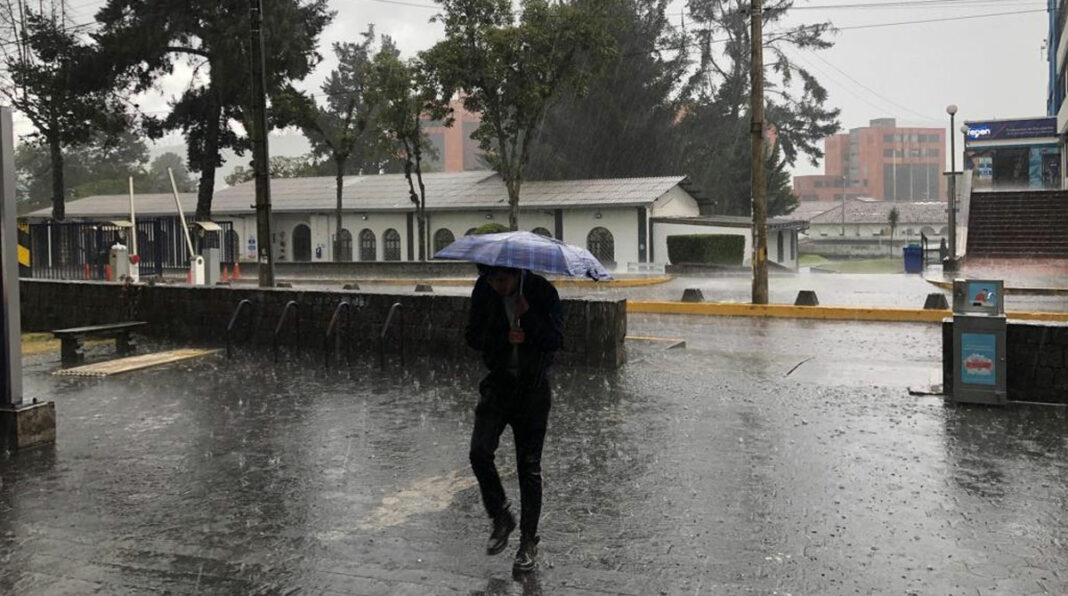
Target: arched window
{"type": "Point", "coordinates": [344, 245]}
{"type": "Point", "coordinates": [368, 251]}
{"type": "Point", "coordinates": [601, 244]}
{"type": "Point", "coordinates": [542, 232]}
{"type": "Point", "coordinates": [301, 243]}
{"type": "Point", "coordinates": [469, 232]}
{"type": "Point", "coordinates": [442, 238]}
{"type": "Point", "coordinates": [391, 244]}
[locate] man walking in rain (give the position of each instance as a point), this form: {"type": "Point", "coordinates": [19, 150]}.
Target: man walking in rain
{"type": "Point", "coordinates": [516, 322]}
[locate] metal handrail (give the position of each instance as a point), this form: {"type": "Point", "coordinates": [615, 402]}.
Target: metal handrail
{"type": "Point", "coordinates": [292, 305]}
{"type": "Point", "coordinates": [334, 328]}
{"type": "Point", "coordinates": [233, 323]}
{"type": "Point", "coordinates": [393, 310]}
{"type": "Point", "coordinates": [925, 244]}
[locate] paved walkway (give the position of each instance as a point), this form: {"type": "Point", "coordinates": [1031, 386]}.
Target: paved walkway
{"type": "Point", "coordinates": [768, 457]}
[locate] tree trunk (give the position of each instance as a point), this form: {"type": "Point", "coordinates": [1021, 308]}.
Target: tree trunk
{"type": "Point", "coordinates": [340, 181]}
{"type": "Point", "coordinates": [56, 152]}
{"type": "Point", "coordinates": [210, 156]}
{"type": "Point", "coordinates": [424, 243]}
{"type": "Point", "coordinates": [513, 206]}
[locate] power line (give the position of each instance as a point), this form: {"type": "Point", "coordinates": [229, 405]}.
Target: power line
{"type": "Point", "coordinates": [869, 89]}
{"type": "Point", "coordinates": [940, 20]}
{"type": "Point", "coordinates": [898, 4]}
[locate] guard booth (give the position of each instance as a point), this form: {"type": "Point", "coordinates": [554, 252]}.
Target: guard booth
{"type": "Point", "coordinates": [979, 329]}
{"type": "Point", "coordinates": [208, 240]}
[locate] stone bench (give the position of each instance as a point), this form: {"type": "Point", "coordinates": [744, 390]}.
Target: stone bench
{"type": "Point", "coordinates": [71, 339]}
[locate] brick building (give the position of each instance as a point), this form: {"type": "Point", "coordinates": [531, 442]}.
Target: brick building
{"type": "Point", "coordinates": [456, 150]}
{"type": "Point", "coordinates": [881, 161]}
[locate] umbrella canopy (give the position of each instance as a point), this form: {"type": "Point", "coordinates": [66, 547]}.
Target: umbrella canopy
{"type": "Point", "coordinates": [526, 250]}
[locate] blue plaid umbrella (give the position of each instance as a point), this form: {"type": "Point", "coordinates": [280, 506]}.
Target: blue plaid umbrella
{"type": "Point", "coordinates": [526, 250]}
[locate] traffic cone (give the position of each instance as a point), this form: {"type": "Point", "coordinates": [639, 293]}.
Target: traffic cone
{"type": "Point", "coordinates": [189, 276]}
{"type": "Point", "coordinates": [225, 274]}
{"type": "Point", "coordinates": [107, 272]}
{"type": "Point", "coordinates": [237, 270]}
{"type": "Point", "coordinates": [87, 271]}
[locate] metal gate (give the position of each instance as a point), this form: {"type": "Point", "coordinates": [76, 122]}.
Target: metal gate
{"type": "Point", "coordinates": [79, 250]}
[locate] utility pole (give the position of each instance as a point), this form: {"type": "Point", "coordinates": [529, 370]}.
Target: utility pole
{"type": "Point", "coordinates": [758, 182]}
{"type": "Point", "coordinates": [951, 262]}
{"type": "Point", "coordinates": [258, 136]}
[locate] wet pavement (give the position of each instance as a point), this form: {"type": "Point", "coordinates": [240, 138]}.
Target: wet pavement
{"type": "Point", "coordinates": [832, 289]}
{"type": "Point", "coordinates": [767, 457]}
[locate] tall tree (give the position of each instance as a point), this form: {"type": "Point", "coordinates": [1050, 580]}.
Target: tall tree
{"type": "Point", "coordinates": [623, 126]}
{"type": "Point", "coordinates": [511, 69]}
{"type": "Point", "coordinates": [892, 219]}
{"type": "Point", "coordinates": [399, 90]}
{"type": "Point", "coordinates": [158, 180]}
{"type": "Point", "coordinates": [338, 129]}
{"type": "Point", "coordinates": [59, 81]}
{"type": "Point", "coordinates": [716, 94]}
{"type": "Point", "coordinates": [98, 167]}
{"type": "Point", "coordinates": [212, 37]}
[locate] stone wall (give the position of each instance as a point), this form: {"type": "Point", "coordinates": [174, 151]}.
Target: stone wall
{"type": "Point", "coordinates": [1036, 360]}
{"type": "Point", "coordinates": [429, 325]}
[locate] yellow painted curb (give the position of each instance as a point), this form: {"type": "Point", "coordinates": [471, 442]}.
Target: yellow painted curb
{"type": "Point", "coordinates": [827, 313]}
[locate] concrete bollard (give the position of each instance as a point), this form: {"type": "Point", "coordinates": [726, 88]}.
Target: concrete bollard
{"type": "Point", "coordinates": [424, 288]}
{"type": "Point", "coordinates": [352, 286]}
{"type": "Point", "coordinates": [807, 298]}
{"type": "Point", "coordinates": [936, 302]}
{"type": "Point", "coordinates": [692, 295]}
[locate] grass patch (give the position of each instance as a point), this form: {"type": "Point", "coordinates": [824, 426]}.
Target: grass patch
{"type": "Point", "coordinates": [810, 260]}
{"type": "Point", "coordinates": [858, 266]}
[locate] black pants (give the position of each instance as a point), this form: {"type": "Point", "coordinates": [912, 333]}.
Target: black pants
{"type": "Point", "coordinates": [505, 401]}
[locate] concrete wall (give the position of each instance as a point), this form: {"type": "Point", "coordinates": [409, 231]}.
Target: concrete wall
{"type": "Point", "coordinates": [432, 326]}
{"type": "Point", "coordinates": [621, 222]}
{"type": "Point", "coordinates": [1036, 359]}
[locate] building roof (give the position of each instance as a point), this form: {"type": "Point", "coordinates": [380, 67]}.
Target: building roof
{"type": "Point", "coordinates": [878, 212]}
{"type": "Point", "coordinates": [389, 192]}
{"type": "Point", "coordinates": [733, 221]}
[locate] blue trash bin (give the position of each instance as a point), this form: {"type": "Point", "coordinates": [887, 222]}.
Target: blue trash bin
{"type": "Point", "coordinates": [913, 259]}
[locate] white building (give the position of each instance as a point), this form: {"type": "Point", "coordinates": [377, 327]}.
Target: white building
{"type": "Point", "coordinates": [622, 221]}
{"type": "Point", "coordinates": [861, 227]}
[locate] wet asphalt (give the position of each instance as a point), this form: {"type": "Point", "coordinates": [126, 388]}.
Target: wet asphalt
{"type": "Point", "coordinates": [766, 457]}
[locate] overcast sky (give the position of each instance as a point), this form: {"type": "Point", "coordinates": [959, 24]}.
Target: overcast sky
{"type": "Point", "coordinates": [990, 67]}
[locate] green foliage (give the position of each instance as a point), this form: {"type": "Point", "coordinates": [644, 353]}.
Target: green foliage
{"type": "Point", "coordinates": [706, 249]}
{"type": "Point", "coordinates": [511, 69]}
{"type": "Point", "coordinates": [212, 36]}
{"type": "Point", "coordinates": [281, 167]}
{"type": "Point", "coordinates": [490, 228]}
{"type": "Point", "coordinates": [623, 126]}
{"type": "Point", "coordinates": [63, 85]}
{"type": "Point", "coordinates": [893, 219]}
{"type": "Point", "coordinates": [96, 168]}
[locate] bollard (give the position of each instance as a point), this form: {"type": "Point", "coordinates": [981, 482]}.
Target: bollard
{"type": "Point", "coordinates": [936, 302]}
{"type": "Point", "coordinates": [352, 286]}
{"type": "Point", "coordinates": [692, 295]}
{"type": "Point", "coordinates": [424, 288]}
{"type": "Point", "coordinates": [807, 298]}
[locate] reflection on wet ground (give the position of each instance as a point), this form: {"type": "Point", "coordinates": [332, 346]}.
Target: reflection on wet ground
{"type": "Point", "coordinates": [717, 469]}
{"type": "Point", "coordinates": [885, 290]}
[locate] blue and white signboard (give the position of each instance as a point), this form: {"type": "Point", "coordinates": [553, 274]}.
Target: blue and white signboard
{"type": "Point", "coordinates": [983, 294]}
{"type": "Point", "coordinates": [978, 355]}
{"type": "Point", "coordinates": [1001, 130]}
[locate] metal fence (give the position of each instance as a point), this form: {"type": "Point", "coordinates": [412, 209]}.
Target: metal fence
{"type": "Point", "coordinates": [80, 250]}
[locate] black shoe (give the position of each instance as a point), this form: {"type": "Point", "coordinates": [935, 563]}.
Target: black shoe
{"type": "Point", "coordinates": [503, 525]}
{"type": "Point", "coordinates": [526, 559]}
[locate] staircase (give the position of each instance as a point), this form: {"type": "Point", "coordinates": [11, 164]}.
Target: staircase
{"type": "Point", "coordinates": [1027, 224]}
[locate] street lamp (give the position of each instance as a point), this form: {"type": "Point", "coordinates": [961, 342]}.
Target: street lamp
{"type": "Point", "coordinates": [951, 261]}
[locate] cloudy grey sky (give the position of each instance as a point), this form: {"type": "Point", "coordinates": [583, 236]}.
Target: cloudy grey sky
{"type": "Point", "coordinates": [990, 67]}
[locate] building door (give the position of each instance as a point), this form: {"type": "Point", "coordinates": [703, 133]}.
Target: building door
{"type": "Point", "coordinates": [301, 243]}
{"type": "Point", "coordinates": [344, 249]}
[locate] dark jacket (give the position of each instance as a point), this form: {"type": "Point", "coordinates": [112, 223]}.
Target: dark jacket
{"type": "Point", "coordinates": [543, 325]}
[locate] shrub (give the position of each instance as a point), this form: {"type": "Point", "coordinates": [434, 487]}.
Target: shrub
{"type": "Point", "coordinates": [707, 249]}
{"type": "Point", "coordinates": [491, 228]}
